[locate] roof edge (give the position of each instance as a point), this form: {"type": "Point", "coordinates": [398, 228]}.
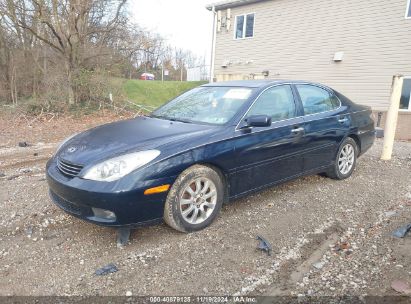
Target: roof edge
{"type": "Point", "coordinates": [230, 3]}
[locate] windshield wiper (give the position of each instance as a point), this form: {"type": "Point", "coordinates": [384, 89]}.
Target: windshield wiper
{"type": "Point", "coordinates": [179, 120]}
{"type": "Point", "coordinates": [171, 118]}
{"type": "Point", "coordinates": [159, 117]}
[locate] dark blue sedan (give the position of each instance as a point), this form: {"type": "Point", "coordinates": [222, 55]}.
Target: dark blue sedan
{"type": "Point", "coordinates": [210, 145]}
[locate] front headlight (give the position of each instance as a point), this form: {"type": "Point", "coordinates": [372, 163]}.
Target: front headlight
{"type": "Point", "coordinates": [115, 168]}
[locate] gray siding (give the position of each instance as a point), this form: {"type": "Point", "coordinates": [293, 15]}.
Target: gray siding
{"type": "Point", "coordinates": [297, 40]}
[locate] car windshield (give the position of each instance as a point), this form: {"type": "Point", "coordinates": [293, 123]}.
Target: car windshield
{"type": "Point", "coordinates": [211, 105]}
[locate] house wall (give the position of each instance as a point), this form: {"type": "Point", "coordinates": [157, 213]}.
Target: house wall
{"type": "Point", "coordinates": [403, 131]}
{"type": "Point", "coordinates": [298, 39]}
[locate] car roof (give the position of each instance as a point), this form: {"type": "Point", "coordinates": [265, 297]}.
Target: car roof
{"type": "Point", "coordinates": [255, 83]}
{"type": "Point", "coordinates": [242, 83]}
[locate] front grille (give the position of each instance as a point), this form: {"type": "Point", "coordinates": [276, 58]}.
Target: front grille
{"type": "Point", "coordinates": [65, 205]}
{"type": "Point", "coordinates": [68, 169]}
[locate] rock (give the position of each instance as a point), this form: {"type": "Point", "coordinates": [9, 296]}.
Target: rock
{"type": "Point", "coordinates": [129, 293]}
{"type": "Point", "coordinates": [2, 174]}
{"type": "Point", "coordinates": [45, 223]}
{"type": "Point", "coordinates": [29, 231]}
{"type": "Point", "coordinates": [318, 265]}
{"type": "Point", "coordinates": [23, 144]}
{"type": "Point", "coordinates": [205, 290]}
{"type": "Point", "coordinates": [401, 286]}
{"type": "Point", "coordinates": [390, 213]}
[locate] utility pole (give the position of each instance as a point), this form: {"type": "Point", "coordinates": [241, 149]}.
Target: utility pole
{"type": "Point", "coordinates": [392, 117]}
{"type": "Point", "coordinates": [213, 45]}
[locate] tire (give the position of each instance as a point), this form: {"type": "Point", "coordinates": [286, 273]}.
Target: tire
{"type": "Point", "coordinates": [344, 165]}
{"type": "Point", "coordinates": [195, 199]}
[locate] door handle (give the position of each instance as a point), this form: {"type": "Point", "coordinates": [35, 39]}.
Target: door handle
{"type": "Point", "coordinates": [297, 130]}
{"type": "Point", "coordinates": [342, 120]}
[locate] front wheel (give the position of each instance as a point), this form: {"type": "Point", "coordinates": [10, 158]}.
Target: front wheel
{"type": "Point", "coordinates": [345, 161]}
{"type": "Point", "coordinates": [194, 200]}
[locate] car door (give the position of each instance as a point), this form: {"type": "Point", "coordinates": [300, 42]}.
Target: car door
{"type": "Point", "coordinates": [325, 125]}
{"type": "Point", "coordinates": [266, 155]}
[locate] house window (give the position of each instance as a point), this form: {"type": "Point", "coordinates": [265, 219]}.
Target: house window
{"type": "Point", "coordinates": [244, 26]}
{"type": "Point", "coordinates": [405, 102]}
{"type": "Point", "coordinates": [408, 12]}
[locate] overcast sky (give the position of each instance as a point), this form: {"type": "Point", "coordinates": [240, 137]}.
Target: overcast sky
{"type": "Point", "coordinates": [184, 23]}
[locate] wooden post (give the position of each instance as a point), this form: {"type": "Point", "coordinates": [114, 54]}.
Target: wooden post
{"type": "Point", "coordinates": [392, 117]}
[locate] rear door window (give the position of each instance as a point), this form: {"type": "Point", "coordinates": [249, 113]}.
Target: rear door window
{"type": "Point", "coordinates": [316, 99]}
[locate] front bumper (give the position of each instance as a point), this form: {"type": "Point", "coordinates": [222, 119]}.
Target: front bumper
{"type": "Point", "coordinates": [125, 199]}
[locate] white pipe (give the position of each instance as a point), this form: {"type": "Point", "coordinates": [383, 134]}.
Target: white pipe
{"type": "Point", "coordinates": [213, 45]}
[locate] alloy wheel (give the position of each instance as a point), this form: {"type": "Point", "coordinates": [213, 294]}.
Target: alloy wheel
{"type": "Point", "coordinates": [198, 200]}
{"type": "Point", "coordinates": [346, 159]}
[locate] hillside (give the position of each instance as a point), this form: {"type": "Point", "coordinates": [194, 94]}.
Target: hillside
{"type": "Point", "coordinates": [155, 93]}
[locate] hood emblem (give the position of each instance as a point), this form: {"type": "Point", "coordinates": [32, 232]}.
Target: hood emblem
{"type": "Point", "coordinates": [71, 149]}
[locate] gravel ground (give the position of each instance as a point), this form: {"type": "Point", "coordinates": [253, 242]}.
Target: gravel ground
{"type": "Point", "coordinates": [329, 237]}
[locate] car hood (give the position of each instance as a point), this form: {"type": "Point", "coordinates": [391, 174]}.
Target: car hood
{"type": "Point", "coordinates": [127, 136]}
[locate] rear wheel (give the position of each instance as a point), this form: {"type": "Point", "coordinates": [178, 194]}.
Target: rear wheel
{"type": "Point", "coordinates": [345, 161]}
{"type": "Point", "coordinates": [194, 200]}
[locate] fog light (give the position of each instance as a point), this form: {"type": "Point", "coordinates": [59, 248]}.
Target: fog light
{"type": "Point", "coordinates": [104, 214]}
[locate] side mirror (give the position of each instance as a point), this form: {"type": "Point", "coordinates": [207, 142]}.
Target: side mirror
{"type": "Point", "coordinates": [258, 121]}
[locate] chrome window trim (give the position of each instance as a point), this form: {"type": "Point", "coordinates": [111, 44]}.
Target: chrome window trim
{"type": "Point", "coordinates": [359, 111]}
{"type": "Point", "coordinates": [290, 84]}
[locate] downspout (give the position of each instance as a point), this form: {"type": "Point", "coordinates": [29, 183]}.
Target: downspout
{"type": "Point", "coordinates": [213, 45]}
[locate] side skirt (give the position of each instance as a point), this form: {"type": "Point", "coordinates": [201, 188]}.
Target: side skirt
{"type": "Point", "coordinates": [306, 173]}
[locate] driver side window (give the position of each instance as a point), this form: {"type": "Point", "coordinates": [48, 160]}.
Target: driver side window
{"type": "Point", "coordinates": [276, 102]}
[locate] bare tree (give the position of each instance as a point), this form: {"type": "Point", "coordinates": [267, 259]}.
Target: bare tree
{"type": "Point", "coordinates": [70, 50]}
{"type": "Point", "coordinates": [77, 30]}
